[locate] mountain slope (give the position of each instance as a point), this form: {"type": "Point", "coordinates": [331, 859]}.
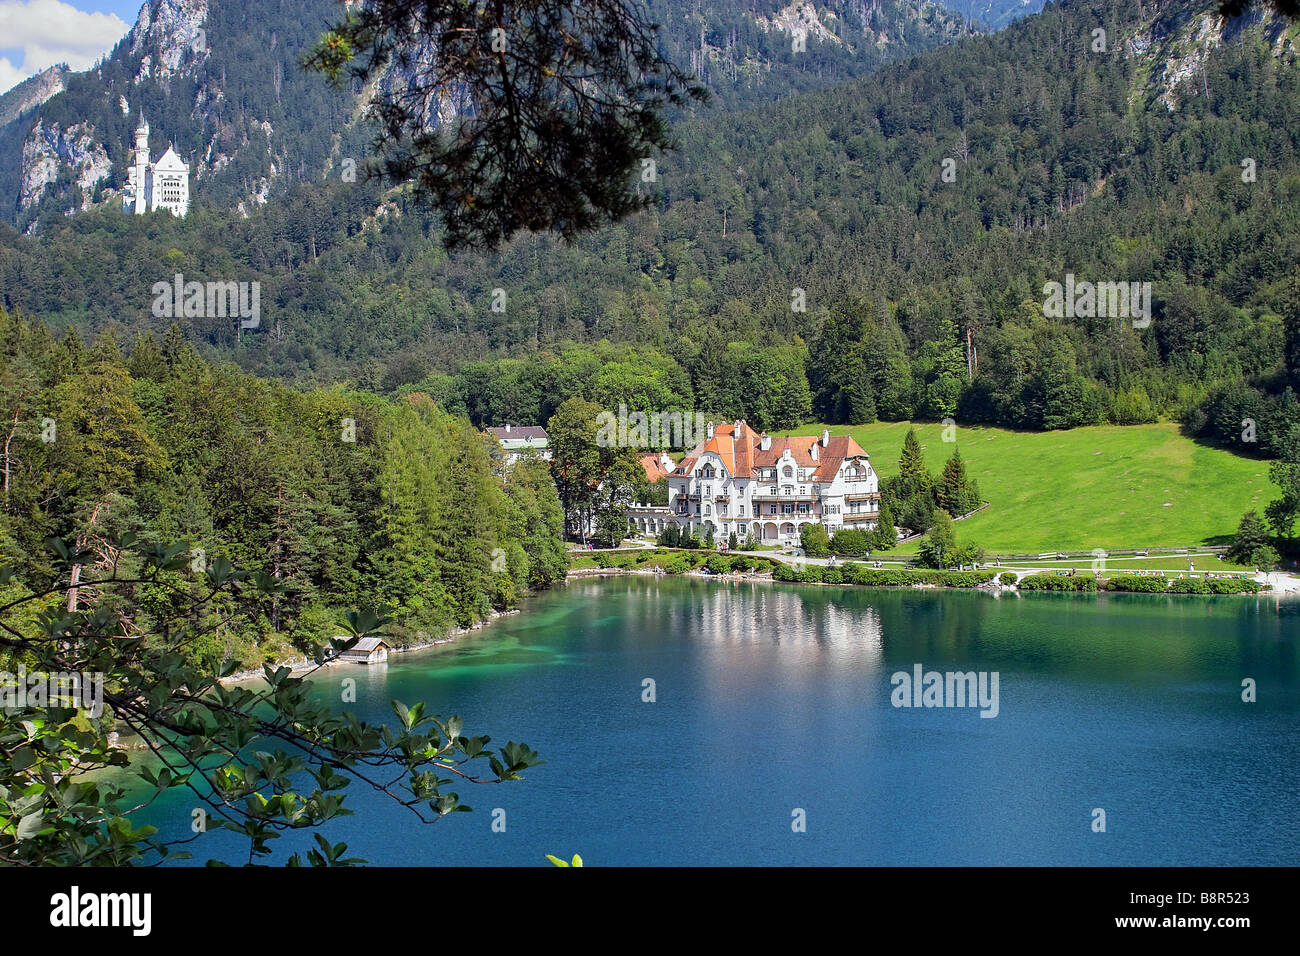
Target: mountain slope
{"type": "Point", "coordinates": [220, 80]}
{"type": "Point", "coordinates": [1112, 167]}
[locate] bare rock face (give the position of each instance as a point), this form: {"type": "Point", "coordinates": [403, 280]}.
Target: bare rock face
{"type": "Point", "coordinates": [49, 150]}
{"type": "Point", "coordinates": [171, 35]}
{"type": "Point", "coordinates": [1178, 41]}
{"type": "Point", "coordinates": [32, 92]}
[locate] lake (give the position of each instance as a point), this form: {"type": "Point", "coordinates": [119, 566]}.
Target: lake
{"type": "Point", "coordinates": [774, 699]}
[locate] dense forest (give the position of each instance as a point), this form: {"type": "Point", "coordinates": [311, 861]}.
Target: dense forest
{"type": "Point", "coordinates": [344, 500]}
{"type": "Point", "coordinates": [235, 102]}
{"type": "Point", "coordinates": [921, 297]}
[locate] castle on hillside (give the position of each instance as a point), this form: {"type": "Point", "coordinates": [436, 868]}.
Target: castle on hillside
{"type": "Point", "coordinates": [161, 185]}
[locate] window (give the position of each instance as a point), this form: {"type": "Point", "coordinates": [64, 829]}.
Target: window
{"type": "Point", "coordinates": [803, 489]}
{"type": "Point", "coordinates": [803, 508]}
{"type": "Point", "coordinates": [742, 511]}
{"type": "Point", "coordinates": [771, 509]}
{"type": "Point", "coordinates": [787, 509]}
{"type": "Point", "coordinates": [789, 472]}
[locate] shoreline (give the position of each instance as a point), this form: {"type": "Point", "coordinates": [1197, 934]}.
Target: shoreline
{"type": "Point", "coordinates": [990, 585]}
{"type": "Point", "coordinates": [301, 665]}
{"type": "Point", "coordinates": [298, 666]}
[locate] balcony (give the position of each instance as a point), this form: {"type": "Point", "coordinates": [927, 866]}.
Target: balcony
{"type": "Point", "coordinates": [861, 496]}
{"type": "Point", "coordinates": [860, 515]}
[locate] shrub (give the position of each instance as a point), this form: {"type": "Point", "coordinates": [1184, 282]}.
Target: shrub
{"type": "Point", "coordinates": [1058, 582]}
{"type": "Point", "coordinates": [718, 564]}
{"type": "Point", "coordinates": [1136, 584]}
{"type": "Point", "coordinates": [849, 541]}
{"type": "Point", "coordinates": [677, 564]}
{"type": "Point", "coordinates": [832, 576]}
{"type": "Point", "coordinates": [1007, 577]}
{"type": "Point", "coordinates": [1212, 586]}
{"type": "Point", "coordinates": [960, 579]}
{"type": "Point", "coordinates": [814, 540]}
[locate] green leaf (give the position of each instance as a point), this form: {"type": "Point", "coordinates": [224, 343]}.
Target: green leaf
{"type": "Point", "coordinates": [30, 825]}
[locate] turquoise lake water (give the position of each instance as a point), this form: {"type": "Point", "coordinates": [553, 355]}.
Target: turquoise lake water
{"type": "Point", "coordinates": [775, 698]}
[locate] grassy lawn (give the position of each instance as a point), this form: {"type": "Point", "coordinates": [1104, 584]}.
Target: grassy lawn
{"type": "Point", "coordinates": [1116, 565]}
{"type": "Point", "coordinates": [1141, 486]}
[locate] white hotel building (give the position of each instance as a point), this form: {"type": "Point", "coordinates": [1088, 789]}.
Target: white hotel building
{"type": "Point", "coordinates": [737, 480]}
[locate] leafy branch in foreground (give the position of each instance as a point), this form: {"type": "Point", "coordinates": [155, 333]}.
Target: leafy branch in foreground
{"type": "Point", "coordinates": [258, 762]}
{"type": "Point", "coordinates": [512, 114]}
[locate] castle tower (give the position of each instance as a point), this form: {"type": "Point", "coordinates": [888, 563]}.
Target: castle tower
{"type": "Point", "coordinates": [141, 171]}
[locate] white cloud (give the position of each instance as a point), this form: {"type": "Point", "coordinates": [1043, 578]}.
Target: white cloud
{"type": "Point", "coordinates": [10, 75]}
{"type": "Point", "coordinates": [51, 31]}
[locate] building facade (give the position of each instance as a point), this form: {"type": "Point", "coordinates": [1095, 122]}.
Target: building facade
{"type": "Point", "coordinates": [740, 481]}
{"type": "Point", "coordinates": [520, 440]}
{"type": "Point", "coordinates": [152, 186]}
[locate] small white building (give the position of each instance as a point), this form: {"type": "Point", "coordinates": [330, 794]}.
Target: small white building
{"type": "Point", "coordinates": [368, 650]}
{"type": "Point", "coordinates": [520, 440]}
{"type": "Point", "coordinates": [161, 185]}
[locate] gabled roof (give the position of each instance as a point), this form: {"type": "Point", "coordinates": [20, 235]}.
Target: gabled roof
{"type": "Point", "coordinates": [653, 464]}
{"type": "Point", "coordinates": [519, 433]}
{"type": "Point", "coordinates": [742, 454]}
{"type": "Point", "coordinates": [169, 161]}
{"type": "Point", "coordinates": [366, 645]}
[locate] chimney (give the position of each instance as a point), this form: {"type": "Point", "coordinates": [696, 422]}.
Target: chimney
{"type": "Point", "coordinates": [764, 441]}
{"type": "Point", "coordinates": [507, 427]}
{"type": "Point", "coordinates": [735, 429]}
{"type": "Point", "coordinates": [826, 437]}
{"type": "Point", "coordinates": [813, 451]}
{"type": "Point", "coordinates": [710, 427]}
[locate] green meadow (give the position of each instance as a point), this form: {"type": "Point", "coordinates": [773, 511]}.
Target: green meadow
{"type": "Point", "coordinates": [1138, 486]}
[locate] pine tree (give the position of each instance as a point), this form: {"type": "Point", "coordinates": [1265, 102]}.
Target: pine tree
{"type": "Point", "coordinates": [886, 533]}
{"type": "Point", "coordinates": [914, 477]}
{"type": "Point", "coordinates": [1252, 534]}
{"type": "Point", "coordinates": [955, 492]}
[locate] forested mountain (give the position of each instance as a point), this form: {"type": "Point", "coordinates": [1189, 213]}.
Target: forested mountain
{"type": "Point", "coordinates": [994, 13]}
{"type": "Point", "coordinates": [222, 82]}
{"type": "Point", "coordinates": [1161, 150]}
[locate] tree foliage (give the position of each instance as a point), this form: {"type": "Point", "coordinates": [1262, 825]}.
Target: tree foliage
{"type": "Point", "coordinates": [556, 103]}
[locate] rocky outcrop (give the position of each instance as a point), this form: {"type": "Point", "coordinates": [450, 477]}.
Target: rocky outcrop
{"type": "Point", "coordinates": [171, 35]}
{"type": "Point", "coordinates": [32, 92]}
{"type": "Point", "coordinates": [49, 150]}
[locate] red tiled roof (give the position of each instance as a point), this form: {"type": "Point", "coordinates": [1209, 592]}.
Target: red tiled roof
{"type": "Point", "coordinates": [654, 469]}
{"type": "Point", "coordinates": [743, 454]}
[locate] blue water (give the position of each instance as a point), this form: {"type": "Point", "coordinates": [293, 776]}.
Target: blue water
{"type": "Point", "coordinates": [776, 698]}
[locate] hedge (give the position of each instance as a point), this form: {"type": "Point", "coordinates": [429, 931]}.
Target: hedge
{"type": "Point", "coordinates": [1157, 585]}
{"type": "Point", "coordinates": [1144, 584]}
{"type": "Point", "coordinates": [881, 577]}
{"type": "Point", "coordinates": [1058, 582]}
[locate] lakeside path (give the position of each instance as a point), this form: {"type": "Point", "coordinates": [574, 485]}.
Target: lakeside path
{"type": "Point", "coordinates": [1280, 582]}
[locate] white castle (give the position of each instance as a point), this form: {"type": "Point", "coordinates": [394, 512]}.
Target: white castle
{"type": "Point", "coordinates": [161, 185]}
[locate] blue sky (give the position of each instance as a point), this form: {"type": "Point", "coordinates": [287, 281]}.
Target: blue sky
{"type": "Point", "coordinates": [37, 33]}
